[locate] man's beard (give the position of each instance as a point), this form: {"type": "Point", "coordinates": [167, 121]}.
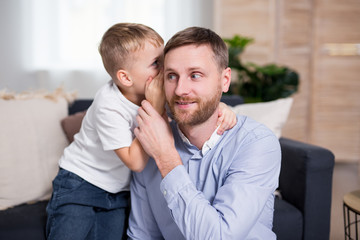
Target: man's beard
{"type": "Point", "coordinates": [205, 109]}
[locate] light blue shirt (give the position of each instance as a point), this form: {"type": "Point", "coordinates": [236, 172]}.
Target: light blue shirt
{"type": "Point", "coordinates": [224, 192]}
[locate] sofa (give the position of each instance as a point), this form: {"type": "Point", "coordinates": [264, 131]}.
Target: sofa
{"type": "Point", "coordinates": [302, 203]}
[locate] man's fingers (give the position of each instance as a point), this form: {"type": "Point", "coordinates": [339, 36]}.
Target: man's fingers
{"type": "Point", "coordinates": [148, 108]}
{"type": "Point", "coordinates": [137, 131]}
{"type": "Point", "coordinates": [141, 113]}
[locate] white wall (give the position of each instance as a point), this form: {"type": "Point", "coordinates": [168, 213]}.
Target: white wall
{"type": "Point", "coordinates": [14, 49]}
{"type": "Point", "coordinates": [11, 61]}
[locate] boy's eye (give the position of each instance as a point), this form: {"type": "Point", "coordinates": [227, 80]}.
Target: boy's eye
{"type": "Point", "coordinates": [156, 63]}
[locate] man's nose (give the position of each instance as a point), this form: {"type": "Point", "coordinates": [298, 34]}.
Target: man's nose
{"type": "Point", "coordinates": [183, 86]}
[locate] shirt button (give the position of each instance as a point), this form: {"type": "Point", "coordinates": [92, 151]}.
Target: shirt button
{"type": "Point", "coordinates": [164, 192]}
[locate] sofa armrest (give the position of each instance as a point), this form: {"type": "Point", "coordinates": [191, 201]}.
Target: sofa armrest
{"type": "Point", "coordinates": [306, 182]}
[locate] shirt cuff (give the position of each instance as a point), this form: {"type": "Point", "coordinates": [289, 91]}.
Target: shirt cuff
{"type": "Point", "coordinates": [173, 182]}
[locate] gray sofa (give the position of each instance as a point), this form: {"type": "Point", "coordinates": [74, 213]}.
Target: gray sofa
{"type": "Point", "coordinates": [301, 212]}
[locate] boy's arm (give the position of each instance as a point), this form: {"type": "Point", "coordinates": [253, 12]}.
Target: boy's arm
{"type": "Point", "coordinates": [134, 157]}
{"type": "Point", "coordinates": [227, 118]}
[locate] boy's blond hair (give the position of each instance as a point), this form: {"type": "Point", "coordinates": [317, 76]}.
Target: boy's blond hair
{"type": "Point", "coordinates": [122, 39]}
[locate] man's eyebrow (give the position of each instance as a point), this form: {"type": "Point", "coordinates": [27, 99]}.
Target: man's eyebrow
{"type": "Point", "coordinates": [194, 69]}
{"type": "Point", "coordinates": [189, 69]}
{"type": "Point", "coordinates": [169, 70]}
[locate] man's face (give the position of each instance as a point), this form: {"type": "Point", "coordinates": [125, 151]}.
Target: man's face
{"type": "Point", "coordinates": [193, 84]}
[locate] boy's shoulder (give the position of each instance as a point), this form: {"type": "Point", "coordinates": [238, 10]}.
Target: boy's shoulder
{"type": "Point", "coordinates": [105, 89]}
{"type": "Point", "coordinates": [104, 96]}
{"type": "Point", "coordinates": [109, 97]}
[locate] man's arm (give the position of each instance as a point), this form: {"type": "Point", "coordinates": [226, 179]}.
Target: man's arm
{"type": "Point", "coordinates": [155, 136]}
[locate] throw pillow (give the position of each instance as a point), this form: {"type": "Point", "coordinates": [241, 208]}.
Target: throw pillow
{"type": "Point", "coordinates": [31, 144]}
{"type": "Point", "coordinates": [71, 124]}
{"type": "Point", "coordinates": [272, 114]}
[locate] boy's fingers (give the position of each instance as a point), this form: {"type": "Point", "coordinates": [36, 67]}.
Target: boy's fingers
{"type": "Point", "coordinates": [221, 130]}
{"type": "Point", "coordinates": [147, 83]}
{"type": "Point", "coordinates": [220, 119]}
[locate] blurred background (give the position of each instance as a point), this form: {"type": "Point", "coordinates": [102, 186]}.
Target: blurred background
{"type": "Point", "coordinates": [46, 44]}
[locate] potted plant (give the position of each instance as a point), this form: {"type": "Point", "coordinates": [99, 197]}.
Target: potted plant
{"type": "Point", "coordinates": [258, 83]}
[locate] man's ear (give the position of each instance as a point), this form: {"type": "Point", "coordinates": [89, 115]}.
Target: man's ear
{"type": "Point", "coordinates": [124, 78]}
{"type": "Point", "coordinates": [226, 79]}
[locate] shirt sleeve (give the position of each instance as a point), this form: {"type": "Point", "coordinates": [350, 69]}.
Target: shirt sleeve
{"type": "Point", "coordinates": [142, 224]}
{"type": "Point", "coordinates": [113, 128]}
{"type": "Point", "coordinates": [238, 204]}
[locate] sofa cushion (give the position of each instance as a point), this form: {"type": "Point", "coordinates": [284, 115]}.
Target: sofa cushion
{"type": "Point", "coordinates": [31, 144]}
{"type": "Point", "coordinates": [272, 114]}
{"type": "Point", "coordinates": [71, 124]}
{"type": "Point", "coordinates": [288, 221]}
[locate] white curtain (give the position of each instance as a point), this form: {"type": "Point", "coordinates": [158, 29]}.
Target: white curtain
{"type": "Point", "coordinates": [57, 40]}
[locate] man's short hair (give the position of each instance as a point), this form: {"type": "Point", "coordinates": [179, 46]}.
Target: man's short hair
{"type": "Point", "coordinates": [201, 36]}
{"type": "Point", "coordinates": [122, 39]}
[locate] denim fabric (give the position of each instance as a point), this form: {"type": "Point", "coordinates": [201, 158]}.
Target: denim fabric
{"type": "Point", "coordinates": [80, 210]}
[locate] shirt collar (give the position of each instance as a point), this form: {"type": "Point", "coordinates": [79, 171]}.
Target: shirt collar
{"type": "Point", "coordinates": [208, 145]}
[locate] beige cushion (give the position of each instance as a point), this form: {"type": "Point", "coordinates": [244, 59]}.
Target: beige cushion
{"type": "Point", "coordinates": [272, 114]}
{"type": "Point", "coordinates": [31, 144]}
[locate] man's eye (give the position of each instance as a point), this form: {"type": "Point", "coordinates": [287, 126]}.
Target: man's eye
{"type": "Point", "coordinates": [171, 77]}
{"type": "Point", "coordinates": [195, 75]}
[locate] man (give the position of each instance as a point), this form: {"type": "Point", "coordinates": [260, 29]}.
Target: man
{"type": "Point", "coordinates": [199, 185]}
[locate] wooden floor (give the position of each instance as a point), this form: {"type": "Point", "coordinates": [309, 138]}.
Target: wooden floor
{"type": "Point", "coordinates": [345, 179]}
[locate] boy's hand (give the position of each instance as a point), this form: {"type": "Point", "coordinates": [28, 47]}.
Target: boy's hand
{"type": "Point", "coordinates": [154, 92]}
{"type": "Point", "coordinates": [227, 118]}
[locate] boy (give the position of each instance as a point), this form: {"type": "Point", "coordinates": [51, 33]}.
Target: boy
{"type": "Point", "coordinates": [91, 190]}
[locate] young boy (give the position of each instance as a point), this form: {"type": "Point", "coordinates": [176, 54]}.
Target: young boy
{"type": "Point", "coordinates": [91, 190]}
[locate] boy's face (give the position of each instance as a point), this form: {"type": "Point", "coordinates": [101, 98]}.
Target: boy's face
{"type": "Point", "coordinates": [146, 63]}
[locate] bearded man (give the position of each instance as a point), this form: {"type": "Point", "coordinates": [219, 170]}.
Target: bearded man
{"type": "Point", "coordinates": [198, 184]}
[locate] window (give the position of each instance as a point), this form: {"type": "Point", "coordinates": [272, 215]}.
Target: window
{"type": "Point", "coordinates": [65, 34]}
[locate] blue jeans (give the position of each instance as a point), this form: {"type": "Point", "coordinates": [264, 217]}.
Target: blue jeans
{"type": "Point", "coordinates": [79, 210]}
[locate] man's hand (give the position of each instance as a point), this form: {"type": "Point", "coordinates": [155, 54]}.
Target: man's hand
{"type": "Point", "coordinates": [154, 92]}
{"type": "Point", "coordinates": [155, 136]}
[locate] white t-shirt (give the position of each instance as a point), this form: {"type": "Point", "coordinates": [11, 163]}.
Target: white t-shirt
{"type": "Point", "coordinates": [108, 125]}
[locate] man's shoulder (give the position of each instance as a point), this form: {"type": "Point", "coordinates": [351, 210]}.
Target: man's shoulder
{"type": "Point", "coordinates": [247, 128]}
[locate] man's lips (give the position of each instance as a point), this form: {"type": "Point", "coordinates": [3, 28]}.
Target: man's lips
{"type": "Point", "coordinates": [184, 104]}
